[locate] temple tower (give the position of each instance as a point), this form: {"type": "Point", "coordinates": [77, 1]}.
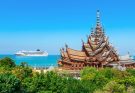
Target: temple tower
{"type": "Point", "coordinates": [96, 52]}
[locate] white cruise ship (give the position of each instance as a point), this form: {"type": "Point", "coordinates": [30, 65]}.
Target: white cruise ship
{"type": "Point", "coordinates": [31, 53]}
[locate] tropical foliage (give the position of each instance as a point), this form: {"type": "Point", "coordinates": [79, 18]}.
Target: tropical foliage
{"type": "Point", "coordinates": [22, 79]}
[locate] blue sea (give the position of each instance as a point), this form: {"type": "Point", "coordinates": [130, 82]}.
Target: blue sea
{"type": "Point", "coordinates": [37, 61]}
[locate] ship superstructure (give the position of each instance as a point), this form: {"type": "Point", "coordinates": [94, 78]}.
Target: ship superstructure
{"type": "Point", "coordinates": [31, 53]}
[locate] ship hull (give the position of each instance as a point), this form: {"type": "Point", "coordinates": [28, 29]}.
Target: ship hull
{"type": "Point", "coordinates": [30, 55]}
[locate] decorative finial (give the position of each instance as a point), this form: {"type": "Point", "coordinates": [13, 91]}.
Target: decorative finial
{"type": "Point", "coordinates": [103, 31]}
{"type": "Point", "coordinates": [62, 49]}
{"type": "Point", "coordinates": [87, 36]}
{"type": "Point", "coordinates": [128, 53]}
{"type": "Point", "coordinates": [98, 18]}
{"type": "Point", "coordinates": [66, 45]}
{"type": "Point", "coordinates": [82, 41]}
{"type": "Point", "coordinates": [91, 30]}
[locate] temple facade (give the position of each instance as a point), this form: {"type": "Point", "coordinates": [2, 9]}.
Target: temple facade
{"type": "Point", "coordinates": [96, 52]}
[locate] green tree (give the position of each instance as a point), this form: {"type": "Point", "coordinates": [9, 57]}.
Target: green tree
{"type": "Point", "coordinates": [47, 82]}
{"type": "Point", "coordinates": [9, 83]}
{"type": "Point", "coordinates": [75, 86]}
{"type": "Point", "coordinates": [22, 72]}
{"type": "Point", "coordinates": [128, 81]}
{"type": "Point", "coordinates": [131, 71]}
{"type": "Point", "coordinates": [111, 73]}
{"type": "Point", "coordinates": [24, 64]}
{"type": "Point", "coordinates": [93, 79]}
{"type": "Point", "coordinates": [88, 70]}
{"type": "Point", "coordinates": [114, 87]}
{"type": "Point", "coordinates": [7, 62]}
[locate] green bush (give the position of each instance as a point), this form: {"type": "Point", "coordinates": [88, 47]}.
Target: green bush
{"type": "Point", "coordinates": [9, 83]}
{"type": "Point", "coordinates": [7, 62]}
{"type": "Point", "coordinates": [21, 79]}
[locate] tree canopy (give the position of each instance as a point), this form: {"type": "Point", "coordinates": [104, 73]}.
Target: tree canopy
{"type": "Point", "coordinates": [22, 79]}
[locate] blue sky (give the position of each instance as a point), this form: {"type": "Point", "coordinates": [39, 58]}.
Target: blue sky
{"type": "Point", "coordinates": [49, 24]}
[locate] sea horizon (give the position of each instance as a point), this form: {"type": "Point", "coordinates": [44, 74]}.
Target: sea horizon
{"type": "Point", "coordinates": [38, 61]}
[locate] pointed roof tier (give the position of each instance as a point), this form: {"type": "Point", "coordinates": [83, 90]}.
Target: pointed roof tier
{"type": "Point", "coordinates": [64, 54]}
{"type": "Point", "coordinates": [76, 54]}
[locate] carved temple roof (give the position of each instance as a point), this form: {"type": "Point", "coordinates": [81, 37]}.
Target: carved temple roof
{"type": "Point", "coordinates": [76, 55]}
{"type": "Point", "coordinates": [76, 52]}
{"type": "Point", "coordinates": [97, 47]}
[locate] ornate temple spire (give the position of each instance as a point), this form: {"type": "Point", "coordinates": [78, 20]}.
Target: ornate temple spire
{"type": "Point", "coordinates": [98, 18]}
{"type": "Point", "coordinates": [96, 51]}
{"type": "Point", "coordinates": [98, 29]}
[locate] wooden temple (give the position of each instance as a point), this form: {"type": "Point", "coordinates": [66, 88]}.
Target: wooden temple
{"type": "Point", "coordinates": [96, 52]}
